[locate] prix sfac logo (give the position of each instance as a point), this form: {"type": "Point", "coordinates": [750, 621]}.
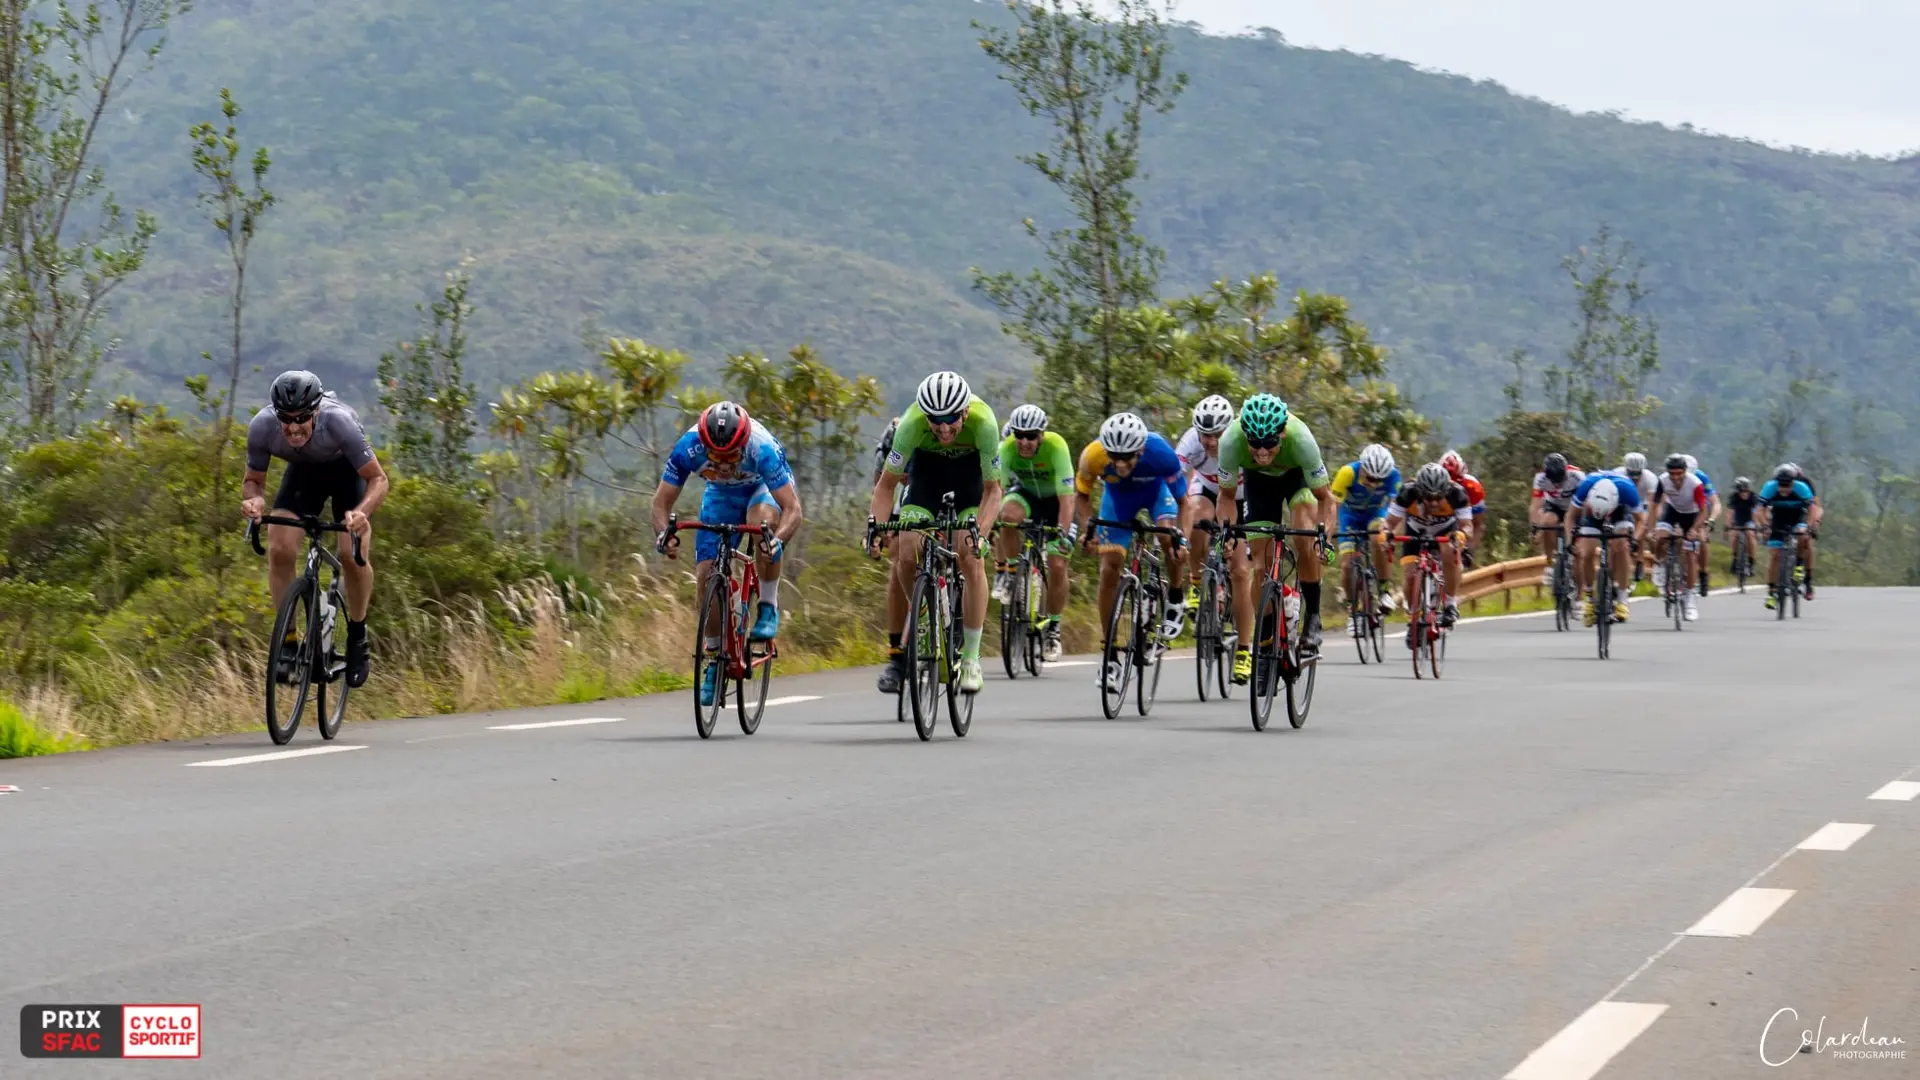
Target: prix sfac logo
{"type": "Point", "coordinates": [1777, 1046]}
{"type": "Point", "coordinates": [110, 1031]}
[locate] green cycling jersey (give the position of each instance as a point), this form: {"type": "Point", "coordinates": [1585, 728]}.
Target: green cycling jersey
{"type": "Point", "coordinates": [1049, 472]}
{"type": "Point", "coordinates": [1297, 450]}
{"type": "Point", "coordinates": [979, 435]}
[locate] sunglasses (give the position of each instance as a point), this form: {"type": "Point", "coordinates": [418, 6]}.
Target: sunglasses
{"type": "Point", "coordinates": [1267, 443]}
{"type": "Point", "coordinates": [946, 421]}
{"type": "Point", "coordinates": [294, 419]}
{"type": "Point", "coordinates": [1124, 459]}
{"type": "Point", "coordinates": [1028, 436]}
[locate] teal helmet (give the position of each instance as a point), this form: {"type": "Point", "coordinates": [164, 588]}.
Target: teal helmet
{"type": "Point", "coordinates": [1263, 417]}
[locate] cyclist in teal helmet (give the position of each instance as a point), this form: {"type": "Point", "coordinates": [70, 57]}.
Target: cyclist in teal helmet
{"type": "Point", "coordinates": [1269, 458]}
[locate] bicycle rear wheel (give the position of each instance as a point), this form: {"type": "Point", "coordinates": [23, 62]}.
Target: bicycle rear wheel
{"type": "Point", "coordinates": [1147, 652]}
{"type": "Point", "coordinates": [329, 712]}
{"type": "Point", "coordinates": [287, 700]}
{"type": "Point", "coordinates": [1206, 636]}
{"type": "Point", "coordinates": [1562, 590]}
{"type": "Point", "coordinates": [1116, 656]}
{"type": "Point", "coordinates": [1229, 638]}
{"type": "Point", "coordinates": [1270, 624]}
{"type": "Point", "coordinates": [1035, 610]}
{"type": "Point", "coordinates": [1676, 583]}
{"type": "Point", "coordinates": [1300, 678]}
{"type": "Point", "coordinates": [1360, 613]}
{"type": "Point", "coordinates": [750, 691]}
{"type": "Point", "coordinates": [711, 662]}
{"type": "Point", "coordinates": [1377, 625]}
{"type": "Point", "coordinates": [959, 702]}
{"type": "Point", "coordinates": [924, 660]}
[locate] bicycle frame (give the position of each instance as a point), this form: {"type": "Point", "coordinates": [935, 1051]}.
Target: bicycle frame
{"type": "Point", "coordinates": [741, 661]}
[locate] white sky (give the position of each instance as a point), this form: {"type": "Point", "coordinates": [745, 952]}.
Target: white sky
{"type": "Point", "coordinates": [1836, 75]}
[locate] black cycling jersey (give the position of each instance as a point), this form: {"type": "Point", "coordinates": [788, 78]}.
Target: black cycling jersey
{"type": "Point", "coordinates": [1741, 504]}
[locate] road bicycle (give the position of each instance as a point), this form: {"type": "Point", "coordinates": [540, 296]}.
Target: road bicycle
{"type": "Point", "coordinates": [1604, 591]}
{"type": "Point", "coordinates": [1215, 638]}
{"type": "Point", "coordinates": [1023, 615]}
{"type": "Point", "coordinates": [320, 661]}
{"type": "Point", "coordinates": [1680, 554]}
{"type": "Point", "coordinates": [1366, 612]}
{"type": "Point", "coordinates": [1134, 631]}
{"type": "Point", "coordinates": [1426, 617]}
{"type": "Point", "coordinates": [934, 620]}
{"type": "Point", "coordinates": [1786, 588]}
{"type": "Point", "coordinates": [1741, 538]}
{"type": "Point", "coordinates": [1564, 587]}
{"type": "Point", "coordinates": [1276, 640]}
{"type": "Point", "coordinates": [723, 641]}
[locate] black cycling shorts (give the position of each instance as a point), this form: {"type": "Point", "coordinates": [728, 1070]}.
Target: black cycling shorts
{"type": "Point", "coordinates": [930, 476]}
{"type": "Point", "coordinates": [307, 486]}
{"type": "Point", "coordinates": [1267, 497]}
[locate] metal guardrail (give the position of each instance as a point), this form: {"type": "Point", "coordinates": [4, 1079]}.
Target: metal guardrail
{"type": "Point", "coordinates": [1502, 578]}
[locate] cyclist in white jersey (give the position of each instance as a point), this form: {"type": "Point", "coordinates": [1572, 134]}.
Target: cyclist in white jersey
{"type": "Point", "coordinates": [1199, 454]}
{"type": "Point", "coordinates": [1681, 500]}
{"type": "Point", "coordinates": [1645, 480]}
{"type": "Point", "coordinates": [1553, 488]}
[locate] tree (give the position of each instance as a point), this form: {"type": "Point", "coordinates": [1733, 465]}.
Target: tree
{"type": "Point", "coordinates": [1776, 432]}
{"type": "Point", "coordinates": [65, 241]}
{"type": "Point", "coordinates": [650, 376]}
{"type": "Point", "coordinates": [1093, 78]}
{"type": "Point", "coordinates": [1615, 350]}
{"type": "Point", "coordinates": [1506, 461]}
{"type": "Point", "coordinates": [423, 388]}
{"type": "Point", "coordinates": [236, 212]}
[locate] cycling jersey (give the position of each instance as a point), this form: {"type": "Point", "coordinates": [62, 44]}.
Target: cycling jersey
{"type": "Point", "coordinates": [733, 488]}
{"type": "Point", "coordinates": [1202, 466]}
{"type": "Point", "coordinates": [1451, 511]}
{"type": "Point", "coordinates": [1646, 480]}
{"type": "Point", "coordinates": [1556, 496]}
{"type": "Point", "coordinates": [1157, 465]}
{"type": "Point", "coordinates": [1362, 496]}
{"type": "Point", "coordinates": [1620, 520]}
{"type": "Point", "coordinates": [337, 435]}
{"type": "Point", "coordinates": [978, 440]}
{"type": "Point", "coordinates": [1684, 499]}
{"type": "Point", "coordinates": [1047, 474]}
{"type": "Point", "coordinates": [1794, 500]}
{"type": "Point", "coordinates": [1476, 494]}
{"type": "Point", "coordinates": [1741, 505]}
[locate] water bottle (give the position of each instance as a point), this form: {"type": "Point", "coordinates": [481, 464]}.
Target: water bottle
{"type": "Point", "coordinates": [1291, 599]}
{"type": "Point", "coordinates": [326, 628]}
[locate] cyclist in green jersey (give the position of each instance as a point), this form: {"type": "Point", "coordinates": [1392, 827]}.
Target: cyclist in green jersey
{"type": "Point", "coordinates": [1036, 470]}
{"type": "Point", "coordinates": [947, 441]}
{"type": "Point", "coordinates": [1276, 458]}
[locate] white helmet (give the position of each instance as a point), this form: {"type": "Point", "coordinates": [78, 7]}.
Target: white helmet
{"type": "Point", "coordinates": [1603, 500]}
{"type": "Point", "coordinates": [1027, 418]}
{"type": "Point", "coordinates": [1212, 415]}
{"type": "Point", "coordinates": [1123, 433]}
{"type": "Point", "coordinates": [1635, 462]}
{"type": "Point", "coordinates": [943, 393]}
{"type": "Point", "coordinates": [1693, 463]}
{"type": "Point", "coordinates": [1376, 461]}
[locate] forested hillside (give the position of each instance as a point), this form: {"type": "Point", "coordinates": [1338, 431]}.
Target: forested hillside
{"type": "Point", "coordinates": [752, 173]}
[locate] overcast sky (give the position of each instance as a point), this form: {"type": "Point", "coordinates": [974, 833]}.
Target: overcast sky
{"type": "Point", "coordinates": [1839, 75]}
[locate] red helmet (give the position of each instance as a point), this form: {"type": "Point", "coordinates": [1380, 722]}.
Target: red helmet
{"type": "Point", "coordinates": [1456, 467]}
{"type": "Point", "coordinates": [724, 427]}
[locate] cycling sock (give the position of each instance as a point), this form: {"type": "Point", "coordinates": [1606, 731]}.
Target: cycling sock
{"type": "Point", "coordinates": [970, 644]}
{"type": "Point", "coordinates": [1310, 593]}
{"type": "Point", "coordinates": [1053, 621]}
{"type": "Point", "coordinates": [770, 592]}
{"type": "Point", "coordinates": [893, 643]}
{"type": "Point", "coordinates": [711, 643]}
{"type": "Point", "coordinates": [356, 630]}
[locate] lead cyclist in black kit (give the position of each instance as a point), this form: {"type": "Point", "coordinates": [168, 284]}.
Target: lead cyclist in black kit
{"type": "Point", "coordinates": [328, 458]}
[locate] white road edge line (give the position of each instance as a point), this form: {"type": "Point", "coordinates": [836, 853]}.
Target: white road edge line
{"type": "Point", "coordinates": [1465, 618]}
{"type": "Point", "coordinates": [1581, 1049]}
{"type": "Point", "coordinates": [1741, 913]}
{"type": "Point", "coordinates": [278, 755]}
{"type": "Point", "coordinates": [1898, 791]}
{"type": "Point", "coordinates": [558, 723]}
{"type": "Point", "coordinates": [1835, 836]}
{"type": "Point", "coordinates": [793, 700]}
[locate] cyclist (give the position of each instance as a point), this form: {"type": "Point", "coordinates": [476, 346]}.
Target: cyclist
{"type": "Point", "coordinates": [1553, 488]}
{"type": "Point", "coordinates": [1814, 514]}
{"type": "Point", "coordinates": [1366, 488]}
{"type": "Point", "coordinates": [1740, 505]}
{"type": "Point", "coordinates": [747, 482]}
{"type": "Point", "coordinates": [1036, 471]}
{"type": "Point", "coordinates": [1713, 515]}
{"type": "Point", "coordinates": [1199, 453]}
{"type": "Point", "coordinates": [1456, 467]}
{"type": "Point", "coordinates": [1605, 504]}
{"type": "Point", "coordinates": [328, 460]}
{"type": "Point", "coordinates": [1272, 455]}
{"type": "Point", "coordinates": [1634, 467]}
{"type": "Point", "coordinates": [1431, 507]}
{"type": "Point", "coordinates": [1786, 509]}
{"type": "Point", "coordinates": [1138, 471]}
{"type": "Point", "coordinates": [948, 442]}
{"type": "Point", "coordinates": [1681, 496]}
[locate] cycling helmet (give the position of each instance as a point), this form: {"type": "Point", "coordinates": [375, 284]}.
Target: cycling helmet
{"type": "Point", "coordinates": [297, 392]}
{"type": "Point", "coordinates": [1676, 461]}
{"type": "Point", "coordinates": [1376, 461]}
{"type": "Point", "coordinates": [1212, 415]}
{"type": "Point", "coordinates": [1263, 417]}
{"type": "Point", "coordinates": [1603, 500]}
{"type": "Point", "coordinates": [1455, 465]}
{"type": "Point", "coordinates": [1432, 479]}
{"type": "Point", "coordinates": [1027, 418]}
{"type": "Point", "coordinates": [1123, 433]}
{"type": "Point", "coordinates": [1693, 463]}
{"type": "Point", "coordinates": [1741, 483]}
{"type": "Point", "coordinates": [943, 393]}
{"type": "Point", "coordinates": [1798, 472]}
{"type": "Point", "coordinates": [1787, 473]}
{"type": "Point", "coordinates": [1555, 466]}
{"type": "Point", "coordinates": [724, 427]}
{"type": "Point", "coordinates": [1635, 463]}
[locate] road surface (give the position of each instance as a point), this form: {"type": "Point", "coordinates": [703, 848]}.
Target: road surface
{"type": "Point", "coordinates": [1544, 865]}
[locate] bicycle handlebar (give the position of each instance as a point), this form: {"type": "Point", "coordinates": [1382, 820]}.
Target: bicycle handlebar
{"type": "Point", "coordinates": [1272, 530]}
{"type": "Point", "coordinates": [1164, 530]}
{"type": "Point", "coordinates": [313, 527]}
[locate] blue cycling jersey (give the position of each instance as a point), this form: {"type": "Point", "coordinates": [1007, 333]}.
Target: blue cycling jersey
{"type": "Point", "coordinates": [1629, 491]}
{"type": "Point", "coordinates": [763, 464]}
{"type": "Point", "coordinates": [1792, 501]}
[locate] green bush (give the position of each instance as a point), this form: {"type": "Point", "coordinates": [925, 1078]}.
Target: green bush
{"type": "Point", "coordinates": [19, 738]}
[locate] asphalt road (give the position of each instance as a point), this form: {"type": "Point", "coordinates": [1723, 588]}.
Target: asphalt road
{"type": "Point", "coordinates": [1493, 874]}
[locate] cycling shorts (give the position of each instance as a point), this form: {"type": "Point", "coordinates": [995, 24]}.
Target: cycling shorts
{"type": "Point", "coordinates": [1270, 496]}
{"type": "Point", "coordinates": [1359, 521]}
{"type": "Point", "coordinates": [1784, 525]}
{"type": "Point", "coordinates": [1121, 504]}
{"type": "Point", "coordinates": [727, 506]}
{"type": "Point", "coordinates": [1673, 521]}
{"type": "Point", "coordinates": [931, 476]}
{"type": "Point", "coordinates": [1619, 523]}
{"type": "Point", "coordinates": [1041, 508]}
{"type": "Point", "coordinates": [1556, 506]}
{"type": "Point", "coordinates": [307, 486]}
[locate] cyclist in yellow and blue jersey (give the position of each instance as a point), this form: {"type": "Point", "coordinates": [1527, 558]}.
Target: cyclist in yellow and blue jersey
{"type": "Point", "coordinates": [1137, 471]}
{"type": "Point", "coordinates": [1365, 488]}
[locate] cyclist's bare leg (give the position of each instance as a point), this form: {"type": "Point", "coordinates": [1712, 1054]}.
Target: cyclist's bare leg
{"type": "Point", "coordinates": [1176, 565]}
{"type": "Point", "coordinates": [973, 605]}
{"type": "Point", "coordinates": [357, 579]}
{"type": "Point", "coordinates": [1198, 509]}
{"type": "Point", "coordinates": [1806, 552]}
{"type": "Point", "coordinates": [765, 516]}
{"type": "Point", "coordinates": [1306, 516]}
{"type": "Point", "coordinates": [701, 572]}
{"type": "Point", "coordinates": [1619, 562]}
{"type": "Point", "coordinates": [1243, 570]}
{"type": "Point", "coordinates": [1382, 551]}
{"type": "Point", "coordinates": [1410, 581]}
{"type": "Point", "coordinates": [1586, 560]}
{"type": "Point", "coordinates": [906, 558]}
{"type": "Point", "coordinates": [1112, 556]}
{"type": "Point", "coordinates": [1057, 571]}
{"type": "Point", "coordinates": [1006, 545]}
{"type": "Point", "coordinates": [1450, 559]}
{"type": "Point", "coordinates": [283, 558]}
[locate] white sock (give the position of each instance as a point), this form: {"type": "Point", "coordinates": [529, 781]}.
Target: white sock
{"type": "Point", "coordinates": [711, 643]}
{"type": "Point", "coordinates": [770, 591]}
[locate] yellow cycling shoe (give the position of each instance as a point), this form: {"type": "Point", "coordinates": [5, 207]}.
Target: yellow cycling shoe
{"type": "Point", "coordinates": [1588, 616]}
{"type": "Point", "coordinates": [1242, 666]}
{"type": "Point", "coordinates": [1620, 611]}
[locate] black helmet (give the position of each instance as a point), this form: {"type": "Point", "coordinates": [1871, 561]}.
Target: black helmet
{"type": "Point", "coordinates": [1676, 461]}
{"type": "Point", "coordinates": [297, 393]}
{"type": "Point", "coordinates": [1741, 483]}
{"type": "Point", "coordinates": [1786, 474]}
{"type": "Point", "coordinates": [724, 427]}
{"type": "Point", "coordinates": [1555, 467]}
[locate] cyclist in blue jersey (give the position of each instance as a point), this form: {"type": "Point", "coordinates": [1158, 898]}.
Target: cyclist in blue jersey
{"type": "Point", "coordinates": [1786, 504]}
{"type": "Point", "coordinates": [1366, 488]}
{"type": "Point", "coordinates": [748, 481]}
{"type": "Point", "coordinates": [1136, 470]}
{"type": "Point", "coordinates": [1604, 504]}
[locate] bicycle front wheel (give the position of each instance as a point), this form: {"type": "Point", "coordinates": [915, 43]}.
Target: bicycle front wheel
{"type": "Point", "coordinates": [750, 691]}
{"type": "Point", "coordinates": [288, 687]}
{"type": "Point", "coordinates": [1013, 624]}
{"type": "Point", "coordinates": [1270, 625]}
{"type": "Point", "coordinates": [1206, 635]}
{"type": "Point", "coordinates": [710, 662]}
{"type": "Point", "coordinates": [1147, 651]}
{"type": "Point", "coordinates": [959, 702]}
{"type": "Point", "coordinates": [924, 647]}
{"type": "Point", "coordinates": [1036, 613]}
{"type": "Point", "coordinates": [1116, 657]}
{"type": "Point", "coordinates": [1603, 606]}
{"type": "Point", "coordinates": [330, 706]}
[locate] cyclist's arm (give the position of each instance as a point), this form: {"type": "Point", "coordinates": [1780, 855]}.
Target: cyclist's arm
{"type": "Point", "coordinates": [991, 495]}
{"type": "Point", "coordinates": [664, 497]}
{"type": "Point", "coordinates": [254, 486]}
{"type": "Point", "coordinates": [1082, 510]}
{"type": "Point", "coordinates": [377, 484]}
{"type": "Point", "coordinates": [788, 497]}
{"type": "Point", "coordinates": [881, 508]}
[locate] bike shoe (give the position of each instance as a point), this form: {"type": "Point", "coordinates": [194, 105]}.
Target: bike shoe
{"type": "Point", "coordinates": [766, 623]}
{"type": "Point", "coordinates": [894, 675]}
{"type": "Point", "coordinates": [359, 661]}
{"type": "Point", "coordinates": [1242, 666]}
{"type": "Point", "coordinates": [1050, 649]}
{"type": "Point", "coordinates": [1620, 611]}
{"type": "Point", "coordinates": [709, 684]}
{"type": "Point", "coordinates": [970, 678]}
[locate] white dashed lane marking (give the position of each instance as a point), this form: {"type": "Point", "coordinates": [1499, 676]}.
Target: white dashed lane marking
{"type": "Point", "coordinates": [1584, 1047]}
{"type": "Point", "coordinates": [1898, 791]}
{"type": "Point", "coordinates": [1740, 914]}
{"type": "Point", "coordinates": [1835, 836]}
{"type": "Point", "coordinates": [558, 723]}
{"type": "Point", "coordinates": [279, 755]}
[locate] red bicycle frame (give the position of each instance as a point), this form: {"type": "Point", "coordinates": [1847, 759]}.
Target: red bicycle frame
{"type": "Point", "coordinates": [733, 631]}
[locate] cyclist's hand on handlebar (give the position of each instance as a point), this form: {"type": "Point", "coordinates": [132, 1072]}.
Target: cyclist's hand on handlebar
{"type": "Point", "coordinates": [357, 523]}
{"type": "Point", "coordinates": [1072, 534]}
{"type": "Point", "coordinates": [254, 509]}
{"type": "Point", "coordinates": [667, 543]}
